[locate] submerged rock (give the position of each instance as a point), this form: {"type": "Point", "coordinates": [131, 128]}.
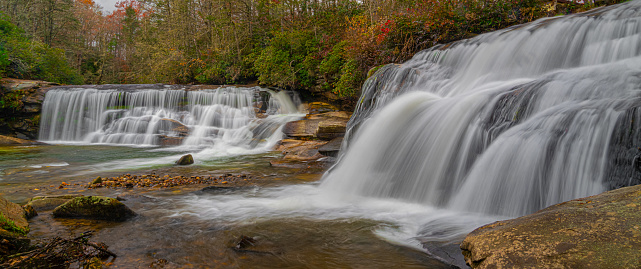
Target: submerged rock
{"type": "Point", "coordinates": [94, 207]}
{"type": "Point", "coordinates": [44, 203]}
{"type": "Point", "coordinates": [601, 231]}
{"type": "Point", "coordinates": [185, 160]}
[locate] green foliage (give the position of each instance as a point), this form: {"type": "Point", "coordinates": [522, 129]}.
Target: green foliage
{"type": "Point", "coordinates": [10, 226]}
{"type": "Point", "coordinates": [11, 101]}
{"type": "Point", "coordinates": [341, 73]}
{"type": "Point", "coordinates": [21, 57]}
{"type": "Point", "coordinates": [289, 61]}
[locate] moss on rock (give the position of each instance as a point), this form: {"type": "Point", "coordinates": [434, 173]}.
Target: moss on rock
{"type": "Point", "coordinates": [94, 207]}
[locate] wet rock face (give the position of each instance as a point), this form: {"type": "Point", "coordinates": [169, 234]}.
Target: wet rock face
{"type": "Point", "coordinates": [94, 207]}
{"type": "Point", "coordinates": [601, 231]}
{"type": "Point", "coordinates": [22, 103]}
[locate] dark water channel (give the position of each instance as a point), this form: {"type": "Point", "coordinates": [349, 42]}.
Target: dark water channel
{"type": "Point", "coordinates": [180, 227]}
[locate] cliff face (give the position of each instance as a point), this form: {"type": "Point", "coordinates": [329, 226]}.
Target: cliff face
{"type": "Point", "coordinates": [20, 107]}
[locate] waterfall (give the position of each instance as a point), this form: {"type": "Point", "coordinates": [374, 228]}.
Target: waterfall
{"type": "Point", "coordinates": [153, 116]}
{"type": "Point", "coordinates": [505, 123]}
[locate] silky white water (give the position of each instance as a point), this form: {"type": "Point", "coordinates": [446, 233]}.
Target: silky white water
{"type": "Point", "coordinates": [209, 123]}
{"type": "Point", "coordinates": [492, 127]}
{"type": "Point", "coordinates": [505, 123]}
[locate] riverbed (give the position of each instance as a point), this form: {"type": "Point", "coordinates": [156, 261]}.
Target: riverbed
{"type": "Point", "coordinates": [290, 222]}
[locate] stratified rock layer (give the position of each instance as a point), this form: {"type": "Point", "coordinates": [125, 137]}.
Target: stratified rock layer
{"type": "Point", "coordinates": [601, 231]}
{"type": "Point", "coordinates": [23, 103]}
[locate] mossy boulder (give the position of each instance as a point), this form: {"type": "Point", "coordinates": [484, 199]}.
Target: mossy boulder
{"type": "Point", "coordinates": [94, 207]}
{"type": "Point", "coordinates": [12, 217]}
{"type": "Point", "coordinates": [13, 228]}
{"type": "Point", "coordinates": [185, 160]}
{"type": "Point", "coordinates": [601, 231]}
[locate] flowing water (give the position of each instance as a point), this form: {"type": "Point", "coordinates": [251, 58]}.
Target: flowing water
{"type": "Point", "coordinates": [483, 129]}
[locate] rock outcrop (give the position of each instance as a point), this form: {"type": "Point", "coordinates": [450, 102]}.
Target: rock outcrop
{"type": "Point", "coordinates": [313, 138]}
{"type": "Point", "coordinates": [601, 231]}
{"type": "Point", "coordinates": [94, 207]}
{"type": "Point", "coordinates": [21, 106]}
{"type": "Point", "coordinates": [324, 126]}
{"type": "Point", "coordinates": [8, 140]}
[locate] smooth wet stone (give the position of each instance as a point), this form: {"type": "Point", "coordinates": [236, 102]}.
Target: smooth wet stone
{"type": "Point", "coordinates": [94, 207]}
{"type": "Point", "coordinates": [332, 147]}
{"type": "Point", "coordinates": [601, 231]}
{"type": "Point", "coordinates": [44, 203]}
{"type": "Point", "coordinates": [185, 160]}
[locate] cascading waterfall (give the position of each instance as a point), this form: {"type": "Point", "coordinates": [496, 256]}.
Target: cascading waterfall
{"type": "Point", "coordinates": [504, 123]}
{"type": "Point", "coordinates": [152, 116]}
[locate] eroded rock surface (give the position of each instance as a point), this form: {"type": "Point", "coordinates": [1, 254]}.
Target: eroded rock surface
{"type": "Point", "coordinates": [601, 231]}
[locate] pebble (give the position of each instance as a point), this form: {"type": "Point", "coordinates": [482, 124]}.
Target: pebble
{"type": "Point", "coordinates": [153, 180]}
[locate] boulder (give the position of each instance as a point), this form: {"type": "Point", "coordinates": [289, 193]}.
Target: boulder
{"type": "Point", "coordinates": [12, 217]}
{"type": "Point", "coordinates": [13, 228]}
{"type": "Point", "coordinates": [44, 203]}
{"type": "Point", "coordinates": [185, 160]}
{"type": "Point", "coordinates": [601, 231]}
{"type": "Point", "coordinates": [94, 207]}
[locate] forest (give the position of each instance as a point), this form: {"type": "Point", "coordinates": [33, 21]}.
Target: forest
{"type": "Point", "coordinates": [320, 48]}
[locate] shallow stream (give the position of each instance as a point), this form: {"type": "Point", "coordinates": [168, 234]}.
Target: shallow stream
{"type": "Point", "coordinates": [293, 222]}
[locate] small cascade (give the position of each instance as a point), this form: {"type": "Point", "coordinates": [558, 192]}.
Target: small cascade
{"type": "Point", "coordinates": [161, 116]}
{"type": "Point", "coordinates": [505, 123]}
